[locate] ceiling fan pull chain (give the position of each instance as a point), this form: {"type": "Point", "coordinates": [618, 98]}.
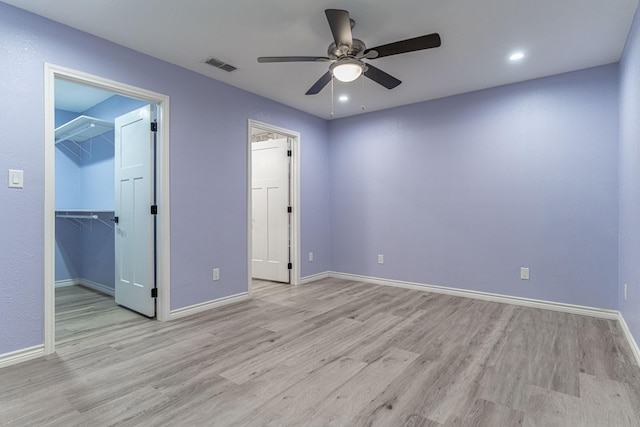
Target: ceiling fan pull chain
{"type": "Point", "coordinates": [332, 96]}
{"type": "Point", "coordinates": [364, 101]}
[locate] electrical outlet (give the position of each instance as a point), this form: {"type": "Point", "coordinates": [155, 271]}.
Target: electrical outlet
{"type": "Point", "coordinates": [380, 259]}
{"type": "Point", "coordinates": [310, 256]}
{"type": "Point", "coordinates": [524, 273]}
{"type": "Point", "coordinates": [216, 274]}
{"type": "Point", "coordinates": [625, 291]}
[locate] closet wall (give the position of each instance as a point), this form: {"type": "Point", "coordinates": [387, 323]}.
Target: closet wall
{"type": "Point", "coordinates": [85, 181]}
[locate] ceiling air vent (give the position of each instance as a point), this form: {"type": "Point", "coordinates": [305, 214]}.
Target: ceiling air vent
{"type": "Point", "coordinates": [219, 64]}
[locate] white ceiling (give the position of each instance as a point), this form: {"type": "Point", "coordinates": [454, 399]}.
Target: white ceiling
{"type": "Point", "coordinates": [477, 38]}
{"type": "Point", "coordinates": [77, 98]}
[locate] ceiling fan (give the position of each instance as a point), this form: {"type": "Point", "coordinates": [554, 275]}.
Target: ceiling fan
{"type": "Point", "coordinates": [347, 53]}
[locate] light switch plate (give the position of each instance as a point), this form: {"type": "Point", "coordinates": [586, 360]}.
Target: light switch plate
{"type": "Point", "coordinates": [16, 178]}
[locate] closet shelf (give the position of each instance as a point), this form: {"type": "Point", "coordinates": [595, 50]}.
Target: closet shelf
{"type": "Point", "coordinates": [82, 129]}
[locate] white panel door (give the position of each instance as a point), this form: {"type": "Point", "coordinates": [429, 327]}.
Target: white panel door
{"type": "Point", "coordinates": [270, 218]}
{"type": "Point", "coordinates": [134, 230]}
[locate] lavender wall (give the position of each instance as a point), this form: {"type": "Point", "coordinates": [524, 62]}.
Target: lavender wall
{"type": "Point", "coordinates": [208, 168]}
{"type": "Point", "coordinates": [629, 249]}
{"type": "Point", "coordinates": [463, 191]}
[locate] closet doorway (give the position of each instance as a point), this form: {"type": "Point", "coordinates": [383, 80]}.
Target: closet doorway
{"type": "Point", "coordinates": [273, 203]}
{"type": "Point", "coordinates": [109, 184]}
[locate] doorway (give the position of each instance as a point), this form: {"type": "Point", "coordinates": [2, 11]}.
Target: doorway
{"type": "Point", "coordinates": [273, 203]}
{"type": "Point", "coordinates": [98, 216]}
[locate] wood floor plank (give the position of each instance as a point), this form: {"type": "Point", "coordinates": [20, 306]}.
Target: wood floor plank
{"type": "Point", "coordinates": [347, 401]}
{"type": "Point", "coordinates": [255, 366]}
{"type": "Point", "coordinates": [601, 403]}
{"type": "Point", "coordinates": [298, 402]}
{"type": "Point", "coordinates": [485, 413]}
{"type": "Point", "coordinates": [334, 352]}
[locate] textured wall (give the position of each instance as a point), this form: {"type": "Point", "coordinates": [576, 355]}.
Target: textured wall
{"type": "Point", "coordinates": [465, 190]}
{"type": "Point", "coordinates": [630, 180]}
{"type": "Point", "coordinates": [208, 168]}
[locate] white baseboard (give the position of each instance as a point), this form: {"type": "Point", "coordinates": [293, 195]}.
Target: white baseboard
{"type": "Point", "coordinates": [314, 277]}
{"type": "Point", "coordinates": [486, 296]}
{"type": "Point", "coordinates": [97, 287]}
{"type": "Point", "coordinates": [102, 288]}
{"type": "Point", "coordinates": [632, 342]}
{"type": "Point", "coordinates": [199, 308]}
{"type": "Point", "coordinates": [20, 356]}
{"type": "Point", "coordinates": [65, 283]}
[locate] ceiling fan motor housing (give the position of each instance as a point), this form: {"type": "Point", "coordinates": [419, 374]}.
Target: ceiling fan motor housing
{"type": "Point", "coordinates": [336, 52]}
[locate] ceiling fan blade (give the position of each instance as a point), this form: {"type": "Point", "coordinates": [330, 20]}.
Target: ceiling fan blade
{"type": "Point", "coordinates": [264, 59]}
{"type": "Point", "coordinates": [340, 24]}
{"type": "Point", "coordinates": [380, 77]}
{"type": "Point", "coordinates": [370, 54]}
{"type": "Point", "coordinates": [320, 84]}
{"type": "Point", "coordinates": [409, 45]}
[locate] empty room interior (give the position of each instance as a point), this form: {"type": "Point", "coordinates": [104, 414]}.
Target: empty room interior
{"type": "Point", "coordinates": [320, 213]}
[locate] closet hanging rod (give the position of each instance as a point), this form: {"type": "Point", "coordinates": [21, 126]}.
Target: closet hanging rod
{"type": "Point", "coordinates": [76, 216]}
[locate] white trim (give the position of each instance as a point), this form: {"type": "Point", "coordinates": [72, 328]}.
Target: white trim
{"type": "Point", "coordinates": [20, 356]}
{"type": "Point", "coordinates": [66, 283]}
{"type": "Point", "coordinates": [99, 287]}
{"type": "Point", "coordinates": [49, 210]}
{"type": "Point", "coordinates": [632, 342]}
{"type": "Point", "coordinates": [314, 277]}
{"type": "Point", "coordinates": [199, 308]}
{"type": "Point", "coordinates": [486, 296]}
{"type": "Point", "coordinates": [51, 72]}
{"type": "Point", "coordinates": [295, 196]}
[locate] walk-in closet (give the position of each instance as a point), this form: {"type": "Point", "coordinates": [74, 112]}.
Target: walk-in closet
{"type": "Point", "coordinates": [85, 185]}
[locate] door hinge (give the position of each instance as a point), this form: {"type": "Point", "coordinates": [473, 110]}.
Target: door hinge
{"type": "Point", "coordinates": [154, 293]}
{"type": "Point", "coordinates": [288, 153]}
{"type": "Point", "coordinates": [154, 209]}
{"type": "Point", "coordinates": [154, 126]}
{"type": "Point", "coordinates": [289, 266]}
{"type": "Point", "coordinates": [289, 209]}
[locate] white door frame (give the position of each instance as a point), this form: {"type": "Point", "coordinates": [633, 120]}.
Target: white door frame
{"type": "Point", "coordinates": [52, 72]}
{"type": "Point", "coordinates": [294, 188]}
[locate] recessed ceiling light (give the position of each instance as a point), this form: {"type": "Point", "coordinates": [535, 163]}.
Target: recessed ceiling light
{"type": "Point", "coordinates": [516, 56]}
{"type": "Point", "coordinates": [343, 98]}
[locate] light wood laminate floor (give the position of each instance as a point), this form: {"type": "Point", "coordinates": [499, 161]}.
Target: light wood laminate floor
{"type": "Point", "coordinates": [332, 352]}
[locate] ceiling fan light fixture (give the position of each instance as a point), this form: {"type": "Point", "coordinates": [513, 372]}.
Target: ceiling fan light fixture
{"type": "Point", "coordinates": [347, 70]}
